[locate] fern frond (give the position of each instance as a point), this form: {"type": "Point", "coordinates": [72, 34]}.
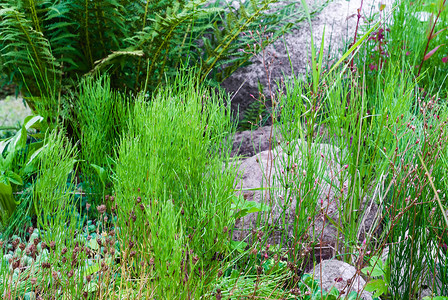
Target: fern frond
{"type": "Point", "coordinates": [256, 114]}
{"type": "Point", "coordinates": [67, 37]}
{"type": "Point", "coordinates": [163, 39]}
{"type": "Point", "coordinates": [58, 28]}
{"type": "Point", "coordinates": [115, 57]}
{"type": "Point", "coordinates": [24, 49]}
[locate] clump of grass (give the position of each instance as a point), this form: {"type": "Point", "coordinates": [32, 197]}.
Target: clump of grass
{"type": "Point", "coordinates": [52, 190]}
{"type": "Point", "coordinates": [420, 45]}
{"type": "Point", "coordinates": [176, 149]}
{"type": "Point", "coordinates": [98, 120]}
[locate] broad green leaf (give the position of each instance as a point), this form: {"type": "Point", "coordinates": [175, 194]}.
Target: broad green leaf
{"type": "Point", "coordinates": [92, 269]}
{"type": "Point", "coordinates": [31, 121]}
{"type": "Point", "coordinates": [367, 271]}
{"type": "Point", "coordinates": [3, 145]}
{"type": "Point", "coordinates": [32, 149]}
{"type": "Point", "coordinates": [238, 246]}
{"type": "Point", "coordinates": [35, 154]}
{"type": "Point", "coordinates": [14, 177]}
{"type": "Point", "coordinates": [378, 286]}
{"type": "Point", "coordinates": [102, 174]}
{"type": "Point", "coordinates": [4, 179]}
{"type": "Point", "coordinates": [352, 296]}
{"type": "Point", "coordinates": [376, 268]}
{"type": "Point", "coordinates": [19, 140]}
{"type": "Point", "coordinates": [334, 292]}
{"type": "Point", "coordinates": [308, 280]}
{"type": "Point", "coordinates": [7, 203]}
{"type": "Point", "coordinates": [248, 207]}
{"type": "Point", "coordinates": [7, 161]}
{"type": "Point", "coordinates": [318, 295]}
{"type": "Point", "coordinates": [376, 261]}
{"type": "Point", "coordinates": [373, 272]}
{"type": "Point", "coordinates": [235, 274]}
{"type": "Point", "coordinates": [91, 287]}
{"type": "Point", "coordinates": [93, 244]}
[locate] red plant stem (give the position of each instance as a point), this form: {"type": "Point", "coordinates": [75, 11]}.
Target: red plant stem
{"type": "Point", "coordinates": [430, 37]}
{"type": "Point", "coordinates": [380, 50]}
{"type": "Point", "coordinates": [356, 31]}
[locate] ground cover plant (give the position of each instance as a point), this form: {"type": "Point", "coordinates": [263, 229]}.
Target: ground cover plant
{"type": "Point", "coordinates": [115, 195]}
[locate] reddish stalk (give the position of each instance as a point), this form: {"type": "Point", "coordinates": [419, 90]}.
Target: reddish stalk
{"type": "Point", "coordinates": [356, 31]}
{"type": "Point", "coordinates": [430, 36]}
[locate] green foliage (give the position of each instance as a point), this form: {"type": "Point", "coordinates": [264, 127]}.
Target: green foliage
{"type": "Point", "coordinates": [407, 255]}
{"type": "Point", "coordinates": [421, 44]}
{"type": "Point", "coordinates": [23, 42]}
{"type": "Point", "coordinates": [377, 268]}
{"type": "Point", "coordinates": [269, 282]}
{"type": "Point", "coordinates": [309, 284]}
{"type": "Point", "coordinates": [255, 115]}
{"type": "Point", "coordinates": [164, 229]}
{"type": "Point", "coordinates": [243, 207]}
{"type": "Point", "coordinates": [52, 194]}
{"type": "Point", "coordinates": [176, 148]}
{"type": "Point", "coordinates": [99, 116]}
{"type": "Point", "coordinates": [303, 170]}
{"type": "Point", "coordinates": [16, 164]}
{"type": "Point", "coordinates": [169, 250]}
{"type": "Point", "coordinates": [52, 43]}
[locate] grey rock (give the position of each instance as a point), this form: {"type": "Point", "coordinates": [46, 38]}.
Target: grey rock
{"type": "Point", "coordinates": [250, 142]}
{"type": "Point", "coordinates": [268, 169]}
{"type": "Point", "coordinates": [342, 276]}
{"type": "Point", "coordinates": [265, 170]}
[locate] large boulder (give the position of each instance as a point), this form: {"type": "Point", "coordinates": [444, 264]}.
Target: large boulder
{"type": "Point", "coordinates": [264, 178]}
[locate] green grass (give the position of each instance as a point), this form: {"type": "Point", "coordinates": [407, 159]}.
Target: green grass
{"type": "Point", "coordinates": [173, 155]}
{"type": "Point", "coordinates": [136, 200]}
{"type": "Point", "coordinates": [98, 117]}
